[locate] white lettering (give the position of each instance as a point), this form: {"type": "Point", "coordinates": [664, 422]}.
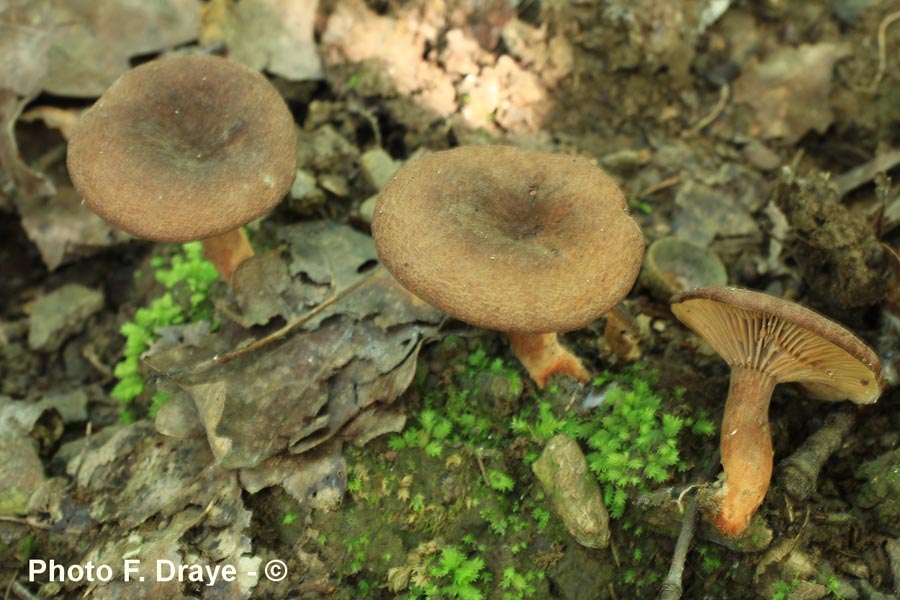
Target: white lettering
{"type": "Point", "coordinates": [57, 572]}
{"type": "Point", "coordinates": [169, 574]}
{"type": "Point", "coordinates": [166, 570]}
{"type": "Point", "coordinates": [36, 567]}
{"type": "Point", "coordinates": [132, 567]}
{"type": "Point", "coordinates": [75, 573]}
{"type": "Point", "coordinates": [104, 573]}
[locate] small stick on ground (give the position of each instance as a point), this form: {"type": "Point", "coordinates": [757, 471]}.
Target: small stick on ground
{"type": "Point", "coordinates": [665, 183]}
{"type": "Point", "coordinates": [892, 548]}
{"type": "Point", "coordinates": [484, 474]}
{"type": "Point", "coordinates": [724, 93]}
{"type": "Point", "coordinates": [882, 49]}
{"type": "Point", "coordinates": [855, 177]}
{"type": "Point", "coordinates": [20, 590]}
{"type": "Point", "coordinates": [671, 585]}
{"type": "Point", "coordinates": [798, 473]}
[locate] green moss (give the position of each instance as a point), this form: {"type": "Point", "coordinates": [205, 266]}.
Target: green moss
{"type": "Point", "coordinates": [517, 586]}
{"type": "Point", "coordinates": [459, 480]}
{"type": "Point", "coordinates": [782, 589]}
{"type": "Point", "coordinates": [456, 574]}
{"type": "Point", "coordinates": [187, 277]}
{"type": "Point", "coordinates": [634, 444]}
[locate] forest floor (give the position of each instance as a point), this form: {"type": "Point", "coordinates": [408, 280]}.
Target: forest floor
{"type": "Point", "coordinates": [323, 433]}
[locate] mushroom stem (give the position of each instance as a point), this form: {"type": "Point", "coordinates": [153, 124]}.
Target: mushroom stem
{"type": "Point", "coordinates": [621, 333]}
{"type": "Point", "coordinates": [746, 446]}
{"type": "Point", "coordinates": [227, 251]}
{"type": "Point", "coordinates": [542, 356]}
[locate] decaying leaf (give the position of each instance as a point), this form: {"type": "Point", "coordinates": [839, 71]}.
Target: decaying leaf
{"type": "Point", "coordinates": [162, 475]}
{"type": "Point", "coordinates": [349, 345]}
{"type": "Point", "coordinates": [25, 36]}
{"type": "Point", "coordinates": [93, 41]}
{"type": "Point", "coordinates": [153, 490]}
{"type": "Point", "coordinates": [148, 547]}
{"type": "Point", "coordinates": [21, 472]}
{"type": "Point", "coordinates": [63, 229]}
{"type": "Point", "coordinates": [789, 90]}
{"type": "Point", "coordinates": [317, 478]}
{"type": "Point", "coordinates": [274, 35]}
{"type": "Point", "coordinates": [25, 427]}
{"type": "Point", "coordinates": [16, 179]}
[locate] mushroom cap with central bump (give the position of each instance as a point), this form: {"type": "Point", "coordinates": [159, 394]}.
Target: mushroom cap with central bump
{"type": "Point", "coordinates": [508, 239]}
{"type": "Point", "coordinates": [789, 342]}
{"type": "Point", "coordinates": [184, 148]}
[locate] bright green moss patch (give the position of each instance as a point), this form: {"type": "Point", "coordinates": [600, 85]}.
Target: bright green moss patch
{"type": "Point", "coordinates": [187, 277]}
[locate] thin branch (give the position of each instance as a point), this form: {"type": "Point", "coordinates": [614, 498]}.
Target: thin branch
{"type": "Point", "coordinates": [882, 49]}
{"type": "Point", "coordinates": [671, 586]}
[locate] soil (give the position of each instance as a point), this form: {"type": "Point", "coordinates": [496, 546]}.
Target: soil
{"type": "Point", "coordinates": [724, 123]}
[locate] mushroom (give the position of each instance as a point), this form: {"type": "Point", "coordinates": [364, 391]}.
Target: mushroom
{"type": "Point", "coordinates": [766, 341]}
{"type": "Point", "coordinates": [186, 148]}
{"type": "Point", "coordinates": [524, 242]}
{"type": "Point", "coordinates": [621, 333]}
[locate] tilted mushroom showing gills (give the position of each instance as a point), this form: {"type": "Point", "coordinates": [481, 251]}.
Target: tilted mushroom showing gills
{"type": "Point", "coordinates": [528, 243]}
{"type": "Point", "coordinates": [766, 341]}
{"type": "Point", "coordinates": [186, 148]}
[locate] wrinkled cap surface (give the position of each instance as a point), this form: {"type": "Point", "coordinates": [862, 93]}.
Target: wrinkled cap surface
{"type": "Point", "coordinates": [789, 342]}
{"type": "Point", "coordinates": [184, 148]}
{"type": "Point", "coordinates": [509, 239]}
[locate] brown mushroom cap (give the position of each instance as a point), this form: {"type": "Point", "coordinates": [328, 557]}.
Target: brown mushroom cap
{"type": "Point", "coordinates": [184, 148]}
{"type": "Point", "coordinates": [509, 239]}
{"type": "Point", "coordinates": [789, 342]}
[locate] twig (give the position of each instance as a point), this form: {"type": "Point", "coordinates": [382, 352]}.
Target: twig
{"type": "Point", "coordinates": [665, 183]}
{"type": "Point", "coordinates": [273, 337]}
{"type": "Point", "coordinates": [798, 473]}
{"type": "Point", "coordinates": [484, 474]}
{"type": "Point", "coordinates": [356, 107]}
{"type": "Point", "coordinates": [28, 522]}
{"type": "Point", "coordinates": [615, 553]}
{"type": "Point", "coordinates": [882, 50]}
{"type": "Point", "coordinates": [671, 586]}
{"type": "Point", "coordinates": [683, 493]}
{"type": "Point", "coordinates": [21, 591]}
{"type": "Point", "coordinates": [855, 177]}
{"type": "Point", "coordinates": [88, 430]}
{"type": "Point", "coordinates": [90, 354]}
{"type": "Point", "coordinates": [724, 93]}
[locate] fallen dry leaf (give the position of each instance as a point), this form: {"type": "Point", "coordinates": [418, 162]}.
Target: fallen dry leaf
{"type": "Point", "coordinates": [63, 229]}
{"type": "Point", "coordinates": [349, 344]}
{"type": "Point", "coordinates": [273, 35]}
{"type": "Point", "coordinates": [25, 429]}
{"type": "Point", "coordinates": [26, 35]}
{"type": "Point", "coordinates": [145, 492]}
{"type": "Point", "coordinates": [17, 181]}
{"type": "Point", "coordinates": [789, 90]}
{"type": "Point", "coordinates": [93, 41]}
{"type": "Point", "coordinates": [317, 479]}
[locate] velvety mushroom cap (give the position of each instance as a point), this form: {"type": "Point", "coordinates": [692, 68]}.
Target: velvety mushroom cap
{"type": "Point", "coordinates": [787, 341]}
{"type": "Point", "coordinates": [184, 148]}
{"type": "Point", "coordinates": [509, 239]}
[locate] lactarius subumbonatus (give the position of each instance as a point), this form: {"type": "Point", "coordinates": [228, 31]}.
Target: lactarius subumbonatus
{"type": "Point", "coordinates": [528, 243]}
{"type": "Point", "coordinates": [186, 148]}
{"type": "Point", "coordinates": [766, 341]}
